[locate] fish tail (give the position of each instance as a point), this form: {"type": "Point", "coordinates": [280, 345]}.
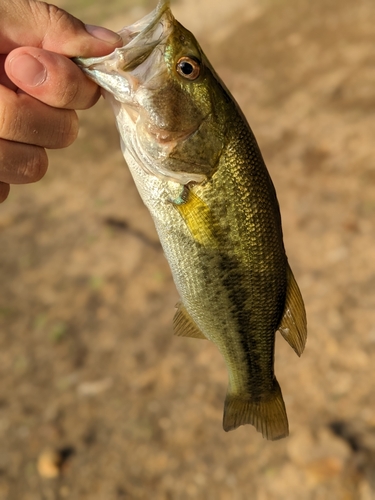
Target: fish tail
{"type": "Point", "coordinates": [267, 416]}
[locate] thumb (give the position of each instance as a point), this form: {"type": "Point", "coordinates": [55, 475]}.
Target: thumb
{"type": "Point", "coordinates": [38, 24]}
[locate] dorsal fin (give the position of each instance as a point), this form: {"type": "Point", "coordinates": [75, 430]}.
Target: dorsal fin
{"type": "Point", "coordinates": [184, 326]}
{"type": "Point", "coordinates": [293, 325]}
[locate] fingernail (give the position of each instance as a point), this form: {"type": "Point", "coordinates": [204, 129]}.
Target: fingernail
{"type": "Point", "coordinates": [103, 33]}
{"type": "Point", "coordinates": [27, 69]}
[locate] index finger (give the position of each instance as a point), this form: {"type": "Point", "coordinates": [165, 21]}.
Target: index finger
{"type": "Point", "coordinates": [38, 24]}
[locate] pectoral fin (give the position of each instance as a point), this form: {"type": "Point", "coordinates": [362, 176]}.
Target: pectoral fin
{"type": "Point", "coordinates": [184, 326]}
{"type": "Point", "coordinates": [197, 217]}
{"type": "Point", "coordinates": [293, 324]}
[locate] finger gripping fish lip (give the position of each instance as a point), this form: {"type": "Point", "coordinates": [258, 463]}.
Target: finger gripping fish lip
{"type": "Point", "coordinates": [139, 40]}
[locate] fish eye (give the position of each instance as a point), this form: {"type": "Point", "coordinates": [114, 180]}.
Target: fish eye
{"type": "Point", "coordinates": [188, 67]}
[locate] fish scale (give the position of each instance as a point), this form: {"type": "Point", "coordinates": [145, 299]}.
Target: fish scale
{"type": "Point", "coordinates": [200, 172]}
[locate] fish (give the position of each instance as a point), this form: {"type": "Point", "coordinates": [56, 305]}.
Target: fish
{"type": "Point", "coordinates": [199, 170]}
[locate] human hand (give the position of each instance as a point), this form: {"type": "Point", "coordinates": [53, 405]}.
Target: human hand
{"type": "Point", "coordinates": [40, 87]}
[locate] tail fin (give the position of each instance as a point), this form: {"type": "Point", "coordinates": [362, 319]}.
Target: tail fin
{"type": "Point", "coordinates": [268, 416]}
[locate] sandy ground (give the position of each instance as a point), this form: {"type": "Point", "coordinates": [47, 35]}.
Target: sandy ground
{"type": "Point", "coordinates": [90, 371]}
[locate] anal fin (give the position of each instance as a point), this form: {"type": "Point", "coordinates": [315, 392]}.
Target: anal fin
{"type": "Point", "coordinates": [293, 325]}
{"type": "Point", "coordinates": [184, 326]}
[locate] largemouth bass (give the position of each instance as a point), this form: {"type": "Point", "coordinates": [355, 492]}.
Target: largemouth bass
{"type": "Point", "coordinates": [199, 171]}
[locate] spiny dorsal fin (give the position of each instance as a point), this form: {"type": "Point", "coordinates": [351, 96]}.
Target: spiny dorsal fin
{"type": "Point", "coordinates": [267, 416]}
{"type": "Point", "coordinates": [184, 326]}
{"type": "Point", "coordinates": [293, 325]}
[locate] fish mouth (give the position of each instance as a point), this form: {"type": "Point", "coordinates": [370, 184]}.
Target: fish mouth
{"type": "Point", "coordinates": [139, 41]}
{"type": "Point", "coordinates": [126, 76]}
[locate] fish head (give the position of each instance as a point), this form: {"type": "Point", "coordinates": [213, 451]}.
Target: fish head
{"type": "Point", "coordinates": [167, 98]}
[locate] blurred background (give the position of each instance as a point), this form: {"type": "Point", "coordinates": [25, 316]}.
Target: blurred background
{"type": "Point", "coordinates": [98, 400]}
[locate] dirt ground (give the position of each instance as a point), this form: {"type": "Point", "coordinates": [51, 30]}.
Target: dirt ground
{"type": "Point", "coordinates": [89, 367]}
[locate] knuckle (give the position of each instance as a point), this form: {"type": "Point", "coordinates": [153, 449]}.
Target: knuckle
{"type": "Point", "coordinates": [3, 120]}
{"type": "Point", "coordinates": [53, 20]}
{"type": "Point", "coordinates": [74, 128]}
{"type": "Point", "coordinates": [69, 129]}
{"type": "Point", "coordinates": [9, 119]}
{"type": "Point", "coordinates": [56, 16]}
{"type": "Point", "coordinates": [66, 131]}
{"type": "Point", "coordinates": [69, 94]}
{"type": "Point", "coordinates": [34, 167]}
{"type": "Point", "coordinates": [50, 16]}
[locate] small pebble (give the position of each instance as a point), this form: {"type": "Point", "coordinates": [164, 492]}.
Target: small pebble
{"type": "Point", "coordinates": [49, 464]}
